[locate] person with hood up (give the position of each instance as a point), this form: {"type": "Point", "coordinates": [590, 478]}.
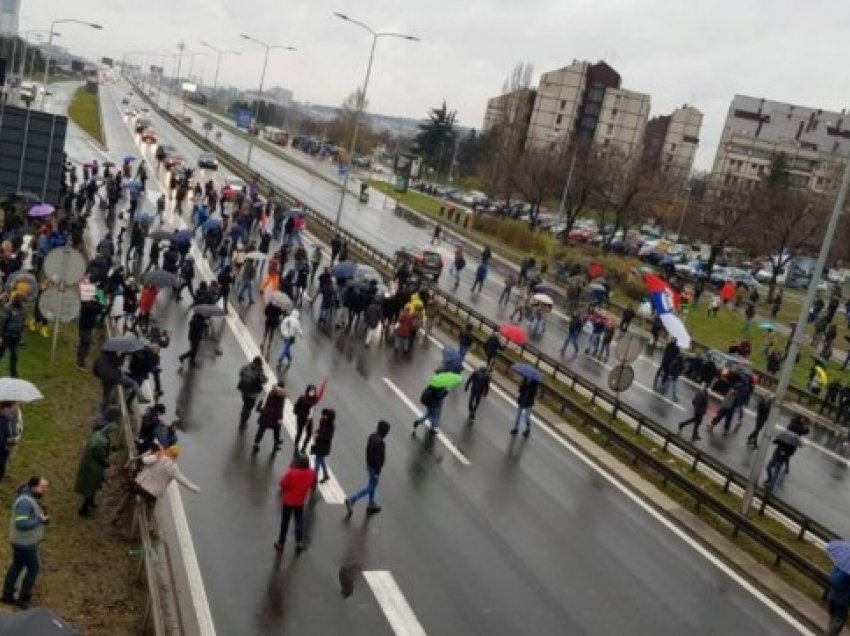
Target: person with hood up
{"type": "Point", "coordinates": [303, 410]}
{"type": "Point", "coordinates": [91, 473]}
{"type": "Point", "coordinates": [478, 385]}
{"type": "Point", "coordinates": [375, 457]}
{"type": "Point", "coordinates": [271, 417]}
{"type": "Point", "coordinates": [322, 442]}
{"type": "Point", "coordinates": [295, 485]}
{"type": "Point", "coordinates": [290, 329]}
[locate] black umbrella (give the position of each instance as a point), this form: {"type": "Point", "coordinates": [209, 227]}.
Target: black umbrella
{"type": "Point", "coordinates": [123, 344]}
{"type": "Point", "coordinates": [160, 279]}
{"type": "Point", "coordinates": [208, 311]}
{"type": "Point", "coordinates": [161, 234]}
{"type": "Point", "coordinates": [35, 622]}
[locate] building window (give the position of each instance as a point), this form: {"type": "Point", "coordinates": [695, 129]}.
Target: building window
{"type": "Point", "coordinates": [614, 112]}
{"type": "Point", "coordinates": [563, 104]}
{"type": "Point", "coordinates": [610, 129]}
{"type": "Point", "coordinates": [672, 147]}
{"type": "Point", "coordinates": [606, 143]}
{"type": "Point", "coordinates": [558, 119]}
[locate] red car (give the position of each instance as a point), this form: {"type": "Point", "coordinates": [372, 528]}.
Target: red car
{"type": "Point", "coordinates": [423, 262]}
{"type": "Point", "coordinates": [149, 136]}
{"type": "Point", "coordinates": [232, 186]}
{"type": "Point", "coordinates": [172, 160]}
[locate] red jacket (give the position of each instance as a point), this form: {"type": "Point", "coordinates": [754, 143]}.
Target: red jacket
{"type": "Point", "coordinates": [147, 299]}
{"type": "Point", "coordinates": [295, 486]}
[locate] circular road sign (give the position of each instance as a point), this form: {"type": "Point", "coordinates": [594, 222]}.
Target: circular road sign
{"type": "Point", "coordinates": [64, 305]}
{"type": "Point", "coordinates": [621, 378]}
{"type": "Point", "coordinates": [628, 348]}
{"type": "Point", "coordinates": [65, 264]}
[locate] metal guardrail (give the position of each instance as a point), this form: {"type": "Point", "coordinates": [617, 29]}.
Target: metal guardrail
{"type": "Point", "coordinates": [567, 405]}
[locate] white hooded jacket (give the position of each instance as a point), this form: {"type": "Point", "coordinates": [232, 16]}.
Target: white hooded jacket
{"type": "Point", "coordinates": [291, 327]}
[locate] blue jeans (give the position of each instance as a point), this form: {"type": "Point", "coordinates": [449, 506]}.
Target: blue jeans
{"type": "Point", "coordinates": [245, 286]}
{"type": "Point", "coordinates": [593, 345]}
{"type": "Point", "coordinates": [461, 352]}
{"type": "Point", "coordinates": [432, 414]}
{"type": "Point", "coordinates": [774, 467]}
{"type": "Point", "coordinates": [670, 383]}
{"type": "Point", "coordinates": [286, 351]}
{"type": "Point", "coordinates": [320, 462]}
{"type": "Point", "coordinates": [369, 489]}
{"type": "Point", "coordinates": [24, 558]}
{"type": "Point", "coordinates": [605, 349]}
{"type": "Point", "coordinates": [523, 416]}
{"type": "Point", "coordinates": [572, 338]}
{"type": "Point", "coordinates": [478, 284]}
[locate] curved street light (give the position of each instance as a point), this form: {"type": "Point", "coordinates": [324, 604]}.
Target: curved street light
{"type": "Point", "coordinates": [362, 101]}
{"type": "Point", "coordinates": [219, 52]}
{"type": "Point", "coordinates": [267, 47]}
{"type": "Point", "coordinates": [92, 25]}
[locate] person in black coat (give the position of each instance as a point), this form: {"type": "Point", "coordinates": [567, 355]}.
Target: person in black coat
{"type": "Point", "coordinates": [145, 363]}
{"type": "Point", "coordinates": [271, 417]}
{"type": "Point", "coordinates": [478, 385]}
{"type": "Point", "coordinates": [303, 410]}
{"type": "Point", "coordinates": [90, 311]}
{"type": "Point", "coordinates": [274, 315]}
{"type": "Point", "coordinates": [322, 441]}
{"type": "Point", "coordinates": [525, 402]}
{"type": "Point", "coordinates": [700, 404]}
{"type": "Point", "coordinates": [492, 347]}
{"type": "Point", "coordinates": [197, 328]}
{"type": "Point", "coordinates": [375, 457]}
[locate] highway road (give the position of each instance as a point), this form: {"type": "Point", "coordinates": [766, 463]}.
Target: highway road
{"type": "Point", "coordinates": [481, 533]}
{"type": "Point", "coordinates": [816, 485]}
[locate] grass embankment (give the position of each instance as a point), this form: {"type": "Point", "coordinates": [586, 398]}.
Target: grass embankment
{"type": "Point", "coordinates": [87, 574]}
{"type": "Point", "coordinates": [84, 111]}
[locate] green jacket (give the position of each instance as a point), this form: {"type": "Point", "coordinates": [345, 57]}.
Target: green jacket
{"type": "Point", "coordinates": [93, 463]}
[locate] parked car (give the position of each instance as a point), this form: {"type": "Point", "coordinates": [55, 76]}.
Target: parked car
{"type": "Point", "coordinates": [423, 262]}
{"type": "Point", "coordinates": [232, 186]}
{"type": "Point", "coordinates": [208, 160]}
{"type": "Point", "coordinates": [172, 160]}
{"type": "Point", "coordinates": [149, 136]}
{"type": "Point", "coordinates": [125, 101]}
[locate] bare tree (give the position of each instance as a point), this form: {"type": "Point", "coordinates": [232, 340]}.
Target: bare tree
{"type": "Point", "coordinates": [723, 215]}
{"type": "Point", "coordinates": [539, 176]}
{"type": "Point", "coordinates": [341, 129]}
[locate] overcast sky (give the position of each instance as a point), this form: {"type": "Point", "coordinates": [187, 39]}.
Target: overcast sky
{"type": "Point", "coordinates": [679, 52]}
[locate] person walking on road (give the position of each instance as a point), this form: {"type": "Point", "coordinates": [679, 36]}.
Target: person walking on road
{"type": "Point", "coordinates": [480, 276]}
{"type": "Point", "coordinates": [837, 600]}
{"type": "Point", "coordinates": [626, 319]}
{"type": "Point", "coordinates": [290, 329]}
{"type": "Point", "coordinates": [432, 399]}
{"type": "Point", "coordinates": [246, 281]}
{"type": "Point", "coordinates": [492, 347]}
{"type": "Point", "coordinates": [573, 332]}
{"type": "Point", "coordinates": [464, 341]}
{"type": "Point", "coordinates": [505, 296]}
{"type": "Point", "coordinates": [786, 445]}
{"type": "Point", "coordinates": [303, 410]}
{"type": "Point", "coordinates": [458, 265]}
{"type": "Point", "coordinates": [478, 385]}
{"type": "Point", "coordinates": [274, 316]}
{"type": "Point", "coordinates": [295, 485]}
{"type": "Point", "coordinates": [762, 413]}
{"type": "Point", "coordinates": [322, 442]}
{"type": "Point", "coordinates": [29, 516]}
{"type": "Point", "coordinates": [375, 457]}
{"type": "Point", "coordinates": [671, 377]}
{"type": "Point", "coordinates": [700, 406]}
{"type": "Point", "coordinates": [726, 411]}
{"type": "Point", "coordinates": [525, 402]}
{"type": "Point", "coordinates": [197, 329]}
{"type": "Point", "coordinates": [435, 237]}
{"type": "Point", "coordinates": [271, 417]}
{"type": "Point", "coordinates": [252, 379]}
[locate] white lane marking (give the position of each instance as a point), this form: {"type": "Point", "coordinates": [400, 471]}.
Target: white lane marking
{"type": "Point", "coordinates": [399, 614]}
{"type": "Point", "coordinates": [331, 490]}
{"type": "Point", "coordinates": [449, 444]}
{"type": "Point", "coordinates": [190, 562]}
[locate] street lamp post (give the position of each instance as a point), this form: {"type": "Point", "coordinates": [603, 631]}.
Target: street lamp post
{"type": "Point", "coordinates": [268, 48]}
{"type": "Point", "coordinates": [219, 52]}
{"type": "Point", "coordinates": [682, 217]}
{"type": "Point", "coordinates": [37, 32]}
{"type": "Point", "coordinates": [180, 47]}
{"type": "Point", "coordinates": [50, 46]}
{"type": "Point", "coordinates": [797, 336]}
{"type": "Point", "coordinates": [361, 102]}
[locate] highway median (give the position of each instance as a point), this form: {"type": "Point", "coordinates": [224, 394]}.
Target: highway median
{"type": "Point", "coordinates": [84, 111]}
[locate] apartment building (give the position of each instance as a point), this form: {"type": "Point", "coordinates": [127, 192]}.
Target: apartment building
{"type": "Point", "coordinates": [814, 141]}
{"type": "Point", "coordinates": [511, 109]}
{"type": "Point", "coordinates": [585, 101]}
{"type": "Point", "coordinates": [670, 143]}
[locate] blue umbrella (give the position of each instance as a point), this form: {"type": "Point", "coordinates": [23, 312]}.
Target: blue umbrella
{"type": "Point", "coordinates": [452, 360]}
{"type": "Point", "coordinates": [767, 326]}
{"type": "Point", "coordinates": [527, 371]}
{"type": "Point", "coordinates": [345, 269]}
{"type": "Point", "coordinates": [839, 552]}
{"type": "Point", "coordinates": [542, 288]}
{"type": "Point", "coordinates": [129, 158]}
{"type": "Point", "coordinates": [134, 185]}
{"type": "Point", "coordinates": [183, 236]}
{"type": "Point", "coordinates": [212, 223]}
{"type": "Point", "coordinates": [144, 218]}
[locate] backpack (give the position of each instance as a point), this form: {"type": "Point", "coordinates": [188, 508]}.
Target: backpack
{"type": "Point", "coordinates": [429, 396]}
{"type": "Point", "coordinates": [249, 380]}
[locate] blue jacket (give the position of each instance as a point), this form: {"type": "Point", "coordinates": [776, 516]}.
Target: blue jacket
{"type": "Point", "coordinates": [839, 587]}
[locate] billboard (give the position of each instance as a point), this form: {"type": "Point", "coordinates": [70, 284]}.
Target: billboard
{"type": "Point", "coordinates": [156, 70]}
{"type": "Point", "coordinates": [106, 61]}
{"type": "Point", "coordinates": [189, 87]}
{"type": "Point", "coordinates": [76, 65]}
{"type": "Point", "coordinates": [243, 118]}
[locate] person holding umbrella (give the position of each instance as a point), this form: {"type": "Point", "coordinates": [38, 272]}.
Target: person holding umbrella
{"type": "Point", "coordinates": [525, 402]}
{"type": "Point", "coordinates": [478, 385]}
{"type": "Point", "coordinates": [433, 396]}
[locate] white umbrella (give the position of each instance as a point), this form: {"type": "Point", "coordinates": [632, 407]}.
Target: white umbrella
{"type": "Point", "coordinates": [541, 299]}
{"type": "Point", "coordinates": [17, 390]}
{"type": "Point", "coordinates": [256, 256]}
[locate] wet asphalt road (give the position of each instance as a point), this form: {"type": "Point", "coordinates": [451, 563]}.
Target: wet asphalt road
{"type": "Point", "coordinates": [816, 485]}
{"type": "Point", "coordinates": [526, 538]}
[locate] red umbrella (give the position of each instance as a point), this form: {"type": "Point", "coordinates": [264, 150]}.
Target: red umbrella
{"type": "Point", "coordinates": [595, 269]}
{"type": "Point", "coordinates": [514, 333]}
{"type": "Point", "coordinates": [320, 391]}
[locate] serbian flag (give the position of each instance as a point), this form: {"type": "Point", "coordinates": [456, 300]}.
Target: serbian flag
{"type": "Point", "coordinates": [320, 391]}
{"type": "Point", "coordinates": [665, 302]}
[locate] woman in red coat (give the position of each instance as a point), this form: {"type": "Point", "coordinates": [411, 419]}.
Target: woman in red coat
{"type": "Point", "coordinates": [146, 301]}
{"type": "Point", "coordinates": [295, 487]}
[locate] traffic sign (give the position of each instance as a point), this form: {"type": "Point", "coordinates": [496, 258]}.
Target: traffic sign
{"type": "Point", "coordinates": [243, 118]}
{"type": "Point", "coordinates": [65, 265]}
{"type": "Point", "coordinates": [621, 378]}
{"type": "Point", "coordinates": [628, 348]}
{"type": "Point", "coordinates": [63, 306]}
